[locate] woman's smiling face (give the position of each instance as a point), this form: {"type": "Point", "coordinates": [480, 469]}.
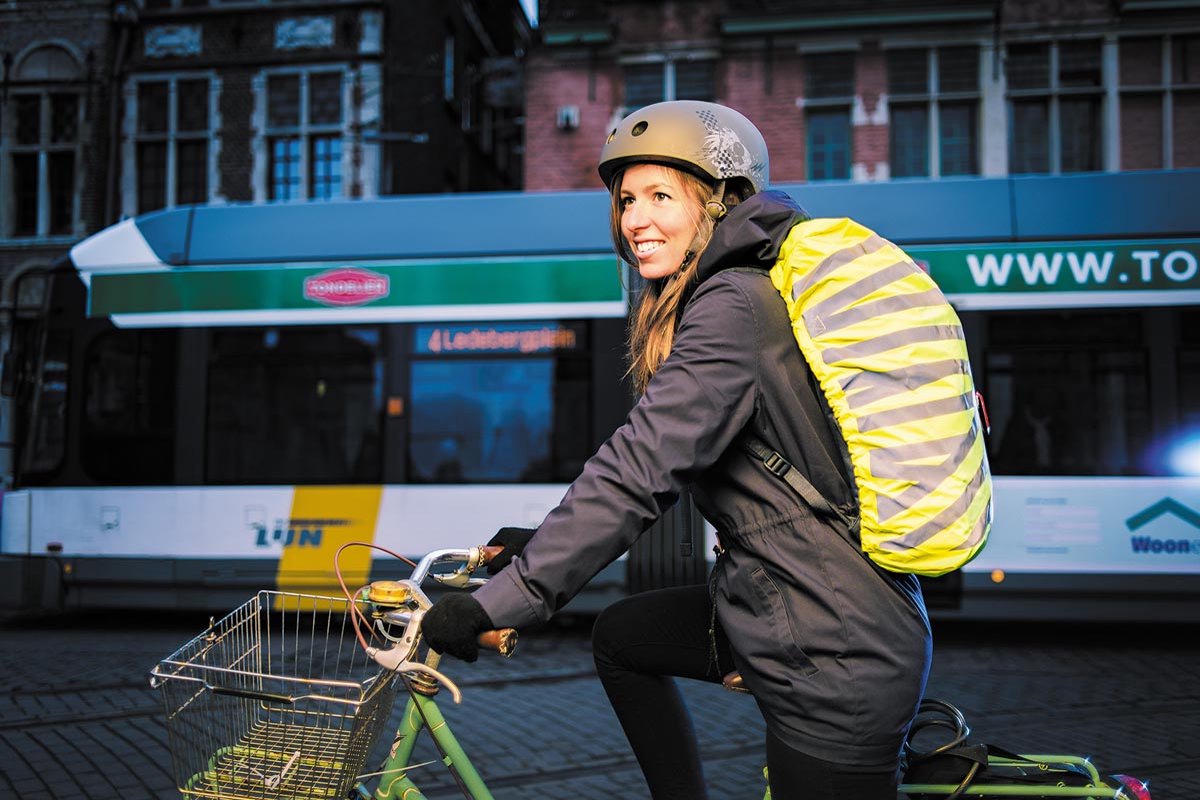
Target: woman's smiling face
{"type": "Point", "coordinates": [658, 219]}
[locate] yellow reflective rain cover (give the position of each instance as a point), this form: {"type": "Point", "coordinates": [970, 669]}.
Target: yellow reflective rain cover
{"type": "Point", "coordinates": [889, 353]}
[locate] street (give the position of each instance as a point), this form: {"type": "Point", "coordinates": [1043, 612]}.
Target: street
{"type": "Point", "coordinates": [79, 720]}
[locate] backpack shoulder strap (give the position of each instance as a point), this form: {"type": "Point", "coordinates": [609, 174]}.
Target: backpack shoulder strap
{"type": "Point", "coordinates": [781, 468]}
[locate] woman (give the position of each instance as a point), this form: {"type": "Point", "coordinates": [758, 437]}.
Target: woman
{"type": "Point", "coordinates": [834, 650]}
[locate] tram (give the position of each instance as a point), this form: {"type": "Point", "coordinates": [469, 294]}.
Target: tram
{"type": "Point", "coordinates": [210, 400]}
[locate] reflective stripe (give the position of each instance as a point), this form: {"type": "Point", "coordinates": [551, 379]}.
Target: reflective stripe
{"type": "Point", "coordinates": [879, 308]}
{"type": "Point", "coordinates": [896, 462]}
{"type": "Point", "coordinates": [943, 520]}
{"type": "Point", "coordinates": [900, 338]}
{"type": "Point", "coordinates": [863, 388]}
{"type": "Point", "coordinates": [838, 260]}
{"type": "Point", "coordinates": [925, 479]}
{"type": "Point", "coordinates": [853, 294]}
{"type": "Point", "coordinates": [917, 411]}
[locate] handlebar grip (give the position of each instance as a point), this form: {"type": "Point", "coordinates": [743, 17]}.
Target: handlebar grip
{"type": "Point", "coordinates": [503, 641]}
{"type": "Point", "coordinates": [488, 552]}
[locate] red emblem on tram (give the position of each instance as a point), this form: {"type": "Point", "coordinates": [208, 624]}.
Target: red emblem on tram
{"type": "Point", "coordinates": [346, 286]}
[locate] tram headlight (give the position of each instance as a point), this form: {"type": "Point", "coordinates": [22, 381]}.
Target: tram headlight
{"type": "Point", "coordinates": [1183, 454]}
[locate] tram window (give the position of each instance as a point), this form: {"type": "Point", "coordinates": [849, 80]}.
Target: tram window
{"type": "Point", "coordinates": [518, 416]}
{"type": "Point", "coordinates": [293, 405]}
{"type": "Point", "coordinates": [1189, 368]}
{"type": "Point", "coordinates": [1067, 393]}
{"type": "Point", "coordinates": [45, 414]}
{"type": "Point", "coordinates": [128, 431]}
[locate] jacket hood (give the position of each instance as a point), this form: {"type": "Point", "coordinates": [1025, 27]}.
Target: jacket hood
{"type": "Point", "coordinates": [751, 234]}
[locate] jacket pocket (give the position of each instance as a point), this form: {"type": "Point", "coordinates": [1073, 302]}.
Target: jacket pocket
{"type": "Point", "coordinates": [773, 611]}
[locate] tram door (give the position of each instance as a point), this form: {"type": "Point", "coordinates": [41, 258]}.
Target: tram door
{"type": "Point", "coordinates": [24, 375]}
{"type": "Point", "coordinates": [671, 553]}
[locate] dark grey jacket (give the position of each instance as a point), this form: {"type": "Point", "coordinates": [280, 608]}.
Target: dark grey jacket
{"type": "Point", "coordinates": [835, 651]}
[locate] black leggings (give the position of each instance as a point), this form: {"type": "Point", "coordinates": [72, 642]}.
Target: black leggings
{"type": "Point", "coordinates": [639, 644]}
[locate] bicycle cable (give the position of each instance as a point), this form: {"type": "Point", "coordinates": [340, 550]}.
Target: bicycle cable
{"type": "Point", "coordinates": [357, 618]}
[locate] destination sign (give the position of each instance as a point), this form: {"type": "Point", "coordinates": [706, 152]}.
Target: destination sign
{"type": "Point", "coordinates": [498, 338]}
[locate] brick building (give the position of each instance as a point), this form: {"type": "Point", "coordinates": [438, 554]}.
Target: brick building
{"type": "Point", "coordinates": [873, 91]}
{"type": "Point", "coordinates": [112, 108]}
{"type": "Point", "coordinates": [56, 77]}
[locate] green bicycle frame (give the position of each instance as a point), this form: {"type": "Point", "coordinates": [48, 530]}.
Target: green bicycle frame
{"type": "Point", "coordinates": [421, 713]}
{"type": "Point", "coordinates": [1096, 790]}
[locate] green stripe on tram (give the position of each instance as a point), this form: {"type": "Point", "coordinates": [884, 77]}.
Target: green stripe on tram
{"type": "Point", "coordinates": [578, 279]}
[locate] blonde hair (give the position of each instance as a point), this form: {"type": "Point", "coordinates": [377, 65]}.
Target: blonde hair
{"type": "Point", "coordinates": [652, 329]}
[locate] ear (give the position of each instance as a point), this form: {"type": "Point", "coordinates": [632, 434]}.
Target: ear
{"type": "Point", "coordinates": [739, 190]}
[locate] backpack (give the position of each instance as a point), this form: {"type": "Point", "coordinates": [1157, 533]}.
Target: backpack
{"type": "Point", "coordinates": [888, 351]}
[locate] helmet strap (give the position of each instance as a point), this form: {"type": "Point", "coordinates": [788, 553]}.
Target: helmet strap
{"type": "Point", "coordinates": [716, 210]}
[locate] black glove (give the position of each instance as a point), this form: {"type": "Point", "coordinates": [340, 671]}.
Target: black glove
{"type": "Point", "coordinates": [513, 540]}
{"type": "Point", "coordinates": [454, 623]}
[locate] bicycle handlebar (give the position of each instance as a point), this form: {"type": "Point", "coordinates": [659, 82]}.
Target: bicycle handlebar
{"type": "Point", "coordinates": [503, 640]}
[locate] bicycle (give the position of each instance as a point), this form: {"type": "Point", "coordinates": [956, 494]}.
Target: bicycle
{"type": "Point", "coordinates": [277, 700]}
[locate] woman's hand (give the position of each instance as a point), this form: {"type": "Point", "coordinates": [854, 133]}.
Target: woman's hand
{"type": "Point", "coordinates": [513, 540]}
{"type": "Point", "coordinates": [452, 626]}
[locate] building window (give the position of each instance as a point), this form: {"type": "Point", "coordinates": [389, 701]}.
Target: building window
{"type": "Point", "coordinates": [933, 90]}
{"type": "Point", "coordinates": [304, 135]}
{"type": "Point", "coordinates": [43, 122]}
{"type": "Point", "coordinates": [657, 81]}
{"type": "Point", "coordinates": [326, 160]}
{"type": "Point", "coordinates": [828, 145]}
{"type": "Point", "coordinates": [1160, 102]}
{"type": "Point", "coordinates": [1055, 91]}
{"type": "Point", "coordinates": [285, 168]}
{"type": "Point", "coordinates": [829, 94]}
{"type": "Point", "coordinates": [173, 132]}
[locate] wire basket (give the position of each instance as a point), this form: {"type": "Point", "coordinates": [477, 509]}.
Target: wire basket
{"type": "Point", "coordinates": [276, 700]}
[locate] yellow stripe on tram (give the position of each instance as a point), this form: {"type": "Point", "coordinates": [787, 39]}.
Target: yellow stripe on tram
{"type": "Point", "coordinates": [324, 518]}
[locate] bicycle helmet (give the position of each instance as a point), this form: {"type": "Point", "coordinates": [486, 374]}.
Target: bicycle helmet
{"type": "Point", "coordinates": [707, 139]}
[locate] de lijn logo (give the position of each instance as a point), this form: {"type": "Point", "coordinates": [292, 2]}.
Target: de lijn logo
{"type": "Point", "coordinates": [1176, 546]}
{"type": "Point", "coordinates": [346, 286]}
{"type": "Point", "coordinates": [294, 532]}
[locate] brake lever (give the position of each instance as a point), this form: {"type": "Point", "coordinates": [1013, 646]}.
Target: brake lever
{"type": "Point", "coordinates": [409, 667]}
{"type": "Point", "coordinates": [459, 580]}
{"type": "Point", "coordinates": [406, 645]}
{"type": "Point", "coordinates": [461, 577]}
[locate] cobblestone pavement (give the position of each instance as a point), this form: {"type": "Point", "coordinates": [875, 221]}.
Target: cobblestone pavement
{"type": "Point", "coordinates": [78, 719]}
